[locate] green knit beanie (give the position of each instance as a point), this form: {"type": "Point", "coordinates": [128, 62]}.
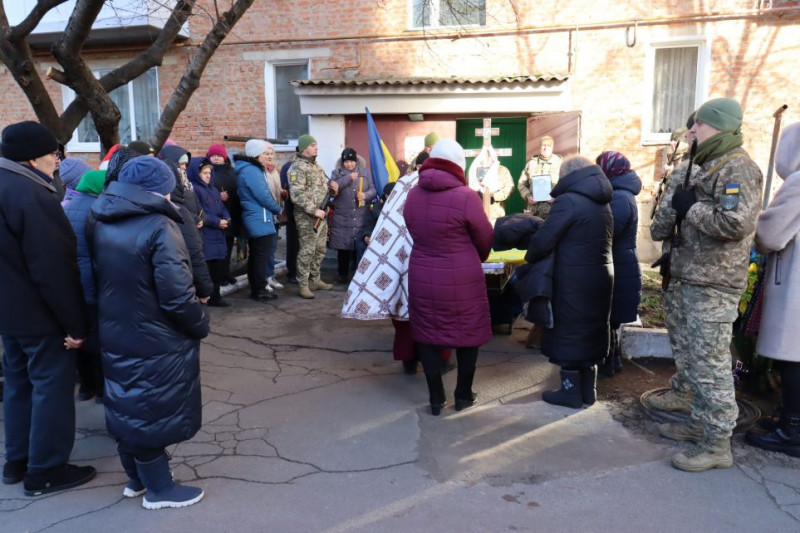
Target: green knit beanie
{"type": "Point", "coordinates": [725, 114]}
{"type": "Point", "coordinates": [431, 138]}
{"type": "Point", "coordinates": [304, 142]}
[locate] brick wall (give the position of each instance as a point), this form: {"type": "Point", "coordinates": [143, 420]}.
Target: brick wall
{"type": "Point", "coordinates": [751, 60]}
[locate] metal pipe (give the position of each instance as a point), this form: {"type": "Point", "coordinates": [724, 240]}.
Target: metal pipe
{"type": "Point", "coordinates": [776, 129]}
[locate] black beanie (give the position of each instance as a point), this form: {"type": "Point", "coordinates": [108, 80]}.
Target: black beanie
{"type": "Point", "coordinates": [349, 155]}
{"type": "Point", "coordinates": [27, 140]}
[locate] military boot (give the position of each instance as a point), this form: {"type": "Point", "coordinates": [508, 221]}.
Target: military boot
{"type": "Point", "coordinates": [320, 285]}
{"type": "Point", "coordinates": [304, 292]}
{"type": "Point", "coordinates": [705, 456]}
{"type": "Point", "coordinates": [684, 431]}
{"type": "Point", "coordinates": [672, 401]}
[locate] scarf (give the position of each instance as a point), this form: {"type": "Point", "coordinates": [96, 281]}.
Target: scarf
{"type": "Point", "coordinates": [718, 145]}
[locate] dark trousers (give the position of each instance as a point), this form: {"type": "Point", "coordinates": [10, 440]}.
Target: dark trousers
{"type": "Point", "coordinates": [431, 357]}
{"type": "Point", "coordinates": [790, 386]}
{"type": "Point", "coordinates": [143, 454]}
{"type": "Point", "coordinates": [344, 257]}
{"type": "Point", "coordinates": [218, 273]}
{"type": "Point", "coordinates": [292, 247]}
{"type": "Point", "coordinates": [257, 263]}
{"type": "Point", "coordinates": [359, 247]}
{"type": "Point", "coordinates": [37, 401]}
{"type": "Point", "coordinates": [87, 357]}
{"type": "Point", "coordinates": [229, 240]}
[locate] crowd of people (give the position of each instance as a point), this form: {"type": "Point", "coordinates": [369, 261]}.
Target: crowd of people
{"type": "Point", "coordinates": [74, 238]}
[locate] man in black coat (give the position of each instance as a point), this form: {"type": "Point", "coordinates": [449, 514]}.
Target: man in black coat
{"type": "Point", "coordinates": [42, 315]}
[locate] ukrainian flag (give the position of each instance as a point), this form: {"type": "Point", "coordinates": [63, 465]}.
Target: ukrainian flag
{"type": "Point", "coordinates": [384, 169]}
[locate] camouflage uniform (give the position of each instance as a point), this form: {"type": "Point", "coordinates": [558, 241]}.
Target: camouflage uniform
{"type": "Point", "coordinates": [308, 187]}
{"type": "Point", "coordinates": [538, 167]}
{"type": "Point", "coordinates": [661, 229]}
{"type": "Point", "coordinates": [708, 275]}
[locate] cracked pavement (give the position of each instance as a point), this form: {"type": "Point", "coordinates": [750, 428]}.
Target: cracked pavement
{"type": "Point", "coordinates": [310, 426]}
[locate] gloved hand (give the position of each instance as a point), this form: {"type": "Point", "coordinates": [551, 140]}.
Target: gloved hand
{"type": "Point", "coordinates": [683, 200]}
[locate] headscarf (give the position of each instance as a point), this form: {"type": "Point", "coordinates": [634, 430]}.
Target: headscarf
{"type": "Point", "coordinates": [613, 164]}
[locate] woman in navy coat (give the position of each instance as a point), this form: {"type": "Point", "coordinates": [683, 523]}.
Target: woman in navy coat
{"type": "Point", "coordinates": [150, 325]}
{"type": "Point", "coordinates": [627, 272]}
{"type": "Point", "coordinates": [578, 232]}
{"type": "Point", "coordinates": [216, 219]}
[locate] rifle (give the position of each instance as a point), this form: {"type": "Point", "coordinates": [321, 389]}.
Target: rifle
{"type": "Point", "coordinates": [662, 186]}
{"type": "Point", "coordinates": [663, 262]}
{"type": "Point", "coordinates": [325, 205]}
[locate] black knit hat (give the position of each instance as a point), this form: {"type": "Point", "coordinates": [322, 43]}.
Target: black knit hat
{"type": "Point", "coordinates": [27, 140]}
{"type": "Point", "coordinates": [349, 155]}
{"type": "Point", "coordinates": [141, 147]}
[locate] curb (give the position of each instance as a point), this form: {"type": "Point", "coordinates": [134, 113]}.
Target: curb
{"type": "Point", "coordinates": [645, 342]}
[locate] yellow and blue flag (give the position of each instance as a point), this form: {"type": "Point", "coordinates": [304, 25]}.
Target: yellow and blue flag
{"type": "Point", "coordinates": [384, 169]}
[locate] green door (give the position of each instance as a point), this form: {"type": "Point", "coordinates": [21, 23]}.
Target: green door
{"type": "Point", "coordinates": [512, 136]}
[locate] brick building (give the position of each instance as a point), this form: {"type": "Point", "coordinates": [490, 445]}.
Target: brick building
{"type": "Point", "coordinates": [600, 74]}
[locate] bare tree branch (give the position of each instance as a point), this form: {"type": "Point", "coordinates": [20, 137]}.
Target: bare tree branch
{"type": "Point", "coordinates": [24, 28]}
{"type": "Point", "coordinates": [18, 58]}
{"type": "Point", "coordinates": [190, 81]}
{"type": "Point", "coordinates": [153, 56]}
{"type": "Point", "coordinates": [70, 44]}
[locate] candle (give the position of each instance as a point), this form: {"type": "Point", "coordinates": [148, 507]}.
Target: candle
{"type": "Point", "coordinates": [360, 190]}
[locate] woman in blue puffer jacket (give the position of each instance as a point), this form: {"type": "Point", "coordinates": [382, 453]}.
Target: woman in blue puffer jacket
{"type": "Point", "coordinates": [258, 210]}
{"type": "Point", "coordinates": [151, 323]}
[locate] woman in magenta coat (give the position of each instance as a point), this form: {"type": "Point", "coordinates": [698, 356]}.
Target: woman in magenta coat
{"type": "Point", "coordinates": [448, 305]}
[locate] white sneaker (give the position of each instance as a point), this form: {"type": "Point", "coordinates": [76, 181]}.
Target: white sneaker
{"type": "Point", "coordinates": [273, 283]}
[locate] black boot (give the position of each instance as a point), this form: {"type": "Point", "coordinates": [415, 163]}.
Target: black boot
{"type": "Point", "coordinates": [616, 359]}
{"type": "Point", "coordinates": [607, 366]}
{"type": "Point", "coordinates": [430, 357]}
{"type": "Point", "coordinates": [785, 438]}
{"type": "Point", "coordinates": [589, 384]}
{"type": "Point", "coordinates": [569, 395]}
{"type": "Point", "coordinates": [464, 396]}
{"type": "Point", "coordinates": [436, 393]}
{"type": "Point", "coordinates": [410, 366]}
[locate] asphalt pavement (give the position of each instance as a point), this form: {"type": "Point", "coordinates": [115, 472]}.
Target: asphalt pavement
{"type": "Point", "coordinates": [310, 426]}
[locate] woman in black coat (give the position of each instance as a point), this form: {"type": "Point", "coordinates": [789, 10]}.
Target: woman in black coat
{"type": "Point", "coordinates": [627, 273]}
{"type": "Point", "coordinates": [151, 323]}
{"type": "Point", "coordinates": [578, 233]}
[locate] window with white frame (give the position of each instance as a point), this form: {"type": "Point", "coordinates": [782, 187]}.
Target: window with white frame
{"type": "Point", "coordinates": [676, 86]}
{"type": "Point", "coordinates": [138, 103]}
{"type": "Point", "coordinates": [284, 120]}
{"type": "Point", "coordinates": [443, 13]}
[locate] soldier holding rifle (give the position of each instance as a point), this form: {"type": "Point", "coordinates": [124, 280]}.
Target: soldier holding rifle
{"type": "Point", "coordinates": [308, 188]}
{"type": "Point", "coordinates": [717, 208]}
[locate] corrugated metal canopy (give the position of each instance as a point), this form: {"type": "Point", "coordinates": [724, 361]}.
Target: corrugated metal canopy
{"type": "Point", "coordinates": [453, 80]}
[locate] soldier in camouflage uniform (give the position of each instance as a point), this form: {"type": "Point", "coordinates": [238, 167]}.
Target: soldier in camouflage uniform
{"type": "Point", "coordinates": [708, 275]}
{"type": "Point", "coordinates": [544, 164]}
{"type": "Point", "coordinates": [680, 396]}
{"type": "Point", "coordinates": [308, 187]}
